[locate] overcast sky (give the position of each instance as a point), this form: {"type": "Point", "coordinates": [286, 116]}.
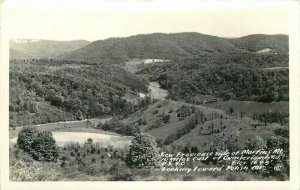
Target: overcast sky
{"type": "Point", "coordinates": [94, 20]}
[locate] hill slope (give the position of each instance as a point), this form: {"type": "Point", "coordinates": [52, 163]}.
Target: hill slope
{"type": "Point", "coordinates": [45, 48]}
{"type": "Point", "coordinates": [160, 46]}
{"type": "Point", "coordinates": [13, 54]}
{"type": "Point", "coordinates": [258, 42]}
{"type": "Point", "coordinates": [173, 46]}
{"type": "Point", "coordinates": [43, 91]}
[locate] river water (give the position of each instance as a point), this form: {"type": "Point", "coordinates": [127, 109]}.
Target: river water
{"type": "Point", "coordinates": [157, 92]}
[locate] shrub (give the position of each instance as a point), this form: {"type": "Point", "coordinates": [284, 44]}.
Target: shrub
{"type": "Point", "coordinates": [166, 118]}
{"type": "Point", "coordinates": [120, 172]}
{"type": "Point", "coordinates": [89, 141]}
{"type": "Point", "coordinates": [35, 171]}
{"type": "Point", "coordinates": [57, 101]}
{"type": "Point", "coordinates": [256, 143]}
{"type": "Point", "coordinates": [143, 152]}
{"type": "Point", "coordinates": [144, 121]}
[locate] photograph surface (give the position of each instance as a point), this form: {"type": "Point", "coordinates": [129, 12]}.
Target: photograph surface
{"type": "Point", "coordinates": [147, 91]}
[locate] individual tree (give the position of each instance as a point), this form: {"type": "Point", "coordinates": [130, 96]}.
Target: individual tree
{"type": "Point", "coordinates": [143, 152]}
{"type": "Point", "coordinates": [194, 149]}
{"type": "Point", "coordinates": [89, 141]}
{"type": "Point", "coordinates": [26, 137]}
{"type": "Point", "coordinates": [231, 110]}
{"type": "Point", "coordinates": [57, 100]}
{"type": "Point", "coordinates": [186, 149]}
{"type": "Point", "coordinates": [44, 147]}
{"type": "Point", "coordinates": [40, 145]}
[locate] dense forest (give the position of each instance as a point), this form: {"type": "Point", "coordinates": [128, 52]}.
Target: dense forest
{"type": "Point", "coordinates": [188, 78]}
{"type": "Point", "coordinates": [254, 60]}
{"type": "Point", "coordinates": [45, 91]}
{"type": "Point", "coordinates": [174, 46]}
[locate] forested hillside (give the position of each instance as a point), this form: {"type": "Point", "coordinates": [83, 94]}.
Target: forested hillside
{"type": "Point", "coordinates": [253, 60]}
{"type": "Point", "coordinates": [172, 46]}
{"type": "Point", "coordinates": [43, 91]}
{"type": "Point", "coordinates": [257, 42]}
{"type": "Point", "coordinates": [187, 79]}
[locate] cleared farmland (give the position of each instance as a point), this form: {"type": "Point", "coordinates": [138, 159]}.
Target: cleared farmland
{"type": "Point", "coordinates": [250, 107]}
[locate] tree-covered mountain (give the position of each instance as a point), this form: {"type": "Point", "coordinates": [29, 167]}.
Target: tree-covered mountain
{"type": "Point", "coordinates": [44, 48]}
{"type": "Point", "coordinates": [253, 43]}
{"type": "Point", "coordinates": [173, 46]}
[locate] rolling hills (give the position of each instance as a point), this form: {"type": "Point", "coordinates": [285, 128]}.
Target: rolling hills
{"type": "Point", "coordinates": [42, 48]}
{"type": "Point", "coordinates": [173, 46]}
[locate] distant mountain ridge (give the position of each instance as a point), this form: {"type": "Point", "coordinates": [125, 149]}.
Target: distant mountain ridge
{"type": "Point", "coordinates": [172, 46]}
{"type": "Point", "coordinates": [42, 48]}
{"type": "Point", "coordinates": [154, 46]}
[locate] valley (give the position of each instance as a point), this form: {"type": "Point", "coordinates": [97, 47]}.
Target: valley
{"type": "Point", "coordinates": [189, 92]}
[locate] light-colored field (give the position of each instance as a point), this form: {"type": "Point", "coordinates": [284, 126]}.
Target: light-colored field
{"type": "Point", "coordinates": [266, 50]}
{"type": "Point", "coordinates": [79, 132]}
{"type": "Point", "coordinates": [134, 64]}
{"type": "Point", "coordinates": [105, 140]}
{"type": "Point", "coordinates": [71, 125]}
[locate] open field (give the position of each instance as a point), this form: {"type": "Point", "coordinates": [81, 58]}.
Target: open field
{"type": "Point", "coordinates": [134, 64]}
{"type": "Point", "coordinates": [105, 140]}
{"type": "Point", "coordinates": [250, 107]}
{"type": "Point", "coordinates": [237, 133]}
{"type": "Point", "coordinates": [79, 132]}
{"type": "Point", "coordinates": [87, 123]}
